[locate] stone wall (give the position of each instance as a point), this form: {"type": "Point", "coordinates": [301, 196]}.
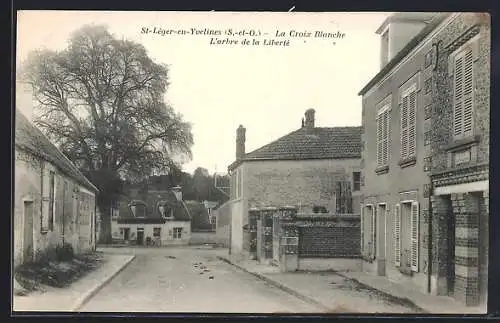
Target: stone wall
{"type": "Point", "coordinates": [305, 182]}
{"type": "Point", "coordinates": [329, 237]}
{"type": "Point", "coordinates": [442, 88]}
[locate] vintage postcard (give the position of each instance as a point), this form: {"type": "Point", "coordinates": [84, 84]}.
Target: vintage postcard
{"type": "Point", "coordinates": [244, 162]}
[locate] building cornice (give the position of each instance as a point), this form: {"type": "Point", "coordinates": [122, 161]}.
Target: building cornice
{"type": "Point", "coordinates": [410, 50]}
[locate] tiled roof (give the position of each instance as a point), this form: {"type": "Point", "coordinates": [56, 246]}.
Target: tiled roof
{"type": "Point", "coordinates": [310, 143]}
{"type": "Point", "coordinates": [181, 212]}
{"type": "Point", "coordinates": [30, 139]}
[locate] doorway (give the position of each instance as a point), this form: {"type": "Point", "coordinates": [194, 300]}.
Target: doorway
{"type": "Point", "coordinates": [126, 234]}
{"type": "Point", "coordinates": [381, 238]}
{"type": "Point", "coordinates": [450, 246]}
{"type": "Point", "coordinates": [28, 231]}
{"type": "Point", "coordinates": [140, 236]}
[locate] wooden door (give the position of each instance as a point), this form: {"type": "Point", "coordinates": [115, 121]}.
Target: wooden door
{"type": "Point", "coordinates": [28, 231]}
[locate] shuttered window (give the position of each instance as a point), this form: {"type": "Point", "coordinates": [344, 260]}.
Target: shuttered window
{"type": "Point", "coordinates": [414, 224]}
{"type": "Point", "coordinates": [374, 231]}
{"type": "Point", "coordinates": [383, 134]}
{"type": "Point", "coordinates": [408, 108]}
{"type": "Point", "coordinates": [362, 229]}
{"type": "Point", "coordinates": [463, 107]}
{"type": "Point", "coordinates": [397, 235]}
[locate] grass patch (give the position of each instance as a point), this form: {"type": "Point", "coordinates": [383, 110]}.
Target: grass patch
{"type": "Point", "coordinates": [56, 272]}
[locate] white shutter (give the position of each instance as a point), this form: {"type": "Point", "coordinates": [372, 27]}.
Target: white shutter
{"type": "Point", "coordinates": [404, 127]}
{"type": "Point", "coordinates": [387, 135]}
{"type": "Point", "coordinates": [374, 231]}
{"type": "Point", "coordinates": [397, 235]}
{"type": "Point", "coordinates": [468, 93]}
{"type": "Point", "coordinates": [412, 124]}
{"type": "Point", "coordinates": [414, 236]}
{"type": "Point", "coordinates": [458, 97]}
{"type": "Point", "coordinates": [384, 137]}
{"type": "Point", "coordinates": [380, 156]}
{"type": "Point", "coordinates": [362, 242]}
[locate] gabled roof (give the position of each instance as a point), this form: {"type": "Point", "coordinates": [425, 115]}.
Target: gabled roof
{"type": "Point", "coordinates": [310, 143]}
{"type": "Point", "coordinates": [31, 140]}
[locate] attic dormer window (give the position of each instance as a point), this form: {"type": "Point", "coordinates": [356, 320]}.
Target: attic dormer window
{"type": "Point", "coordinates": [138, 208]}
{"type": "Point", "coordinates": [384, 48]}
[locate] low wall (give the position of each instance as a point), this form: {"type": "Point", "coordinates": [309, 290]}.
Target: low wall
{"type": "Point", "coordinates": [199, 238]}
{"type": "Point", "coordinates": [335, 236]}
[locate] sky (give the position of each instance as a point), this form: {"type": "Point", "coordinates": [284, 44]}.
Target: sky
{"type": "Point", "coordinates": [217, 87]}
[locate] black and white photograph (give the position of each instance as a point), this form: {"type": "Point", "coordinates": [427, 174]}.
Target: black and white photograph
{"type": "Point", "coordinates": [251, 162]}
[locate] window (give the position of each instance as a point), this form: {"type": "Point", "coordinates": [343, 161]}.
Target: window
{"type": "Point", "coordinates": [408, 109]}
{"type": "Point", "coordinates": [384, 48]}
{"type": "Point", "coordinates": [369, 226]}
{"type": "Point", "coordinates": [356, 179]}
{"type": "Point", "coordinates": [463, 86]}
{"type": "Point", "coordinates": [156, 232]}
{"type": "Point", "coordinates": [406, 235]}
{"type": "Point", "coordinates": [383, 134]}
{"type": "Point", "coordinates": [177, 233]}
{"type": "Point", "coordinates": [52, 194]}
{"type": "Point", "coordinates": [343, 198]}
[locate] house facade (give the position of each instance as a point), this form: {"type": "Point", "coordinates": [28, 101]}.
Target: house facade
{"type": "Point", "coordinates": [403, 133]}
{"type": "Point", "coordinates": [314, 169]}
{"type": "Point", "coordinates": [152, 216]}
{"type": "Point", "coordinates": [54, 203]}
{"type": "Point", "coordinates": [459, 140]}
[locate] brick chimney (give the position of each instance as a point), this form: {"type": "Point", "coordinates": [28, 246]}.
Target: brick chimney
{"type": "Point", "coordinates": [240, 142]}
{"type": "Point", "coordinates": [309, 120]}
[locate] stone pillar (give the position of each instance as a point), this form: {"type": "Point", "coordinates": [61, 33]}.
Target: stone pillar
{"type": "Point", "coordinates": [259, 236]}
{"type": "Point", "coordinates": [483, 247]}
{"type": "Point", "coordinates": [439, 260]}
{"type": "Point", "coordinates": [466, 210]}
{"type": "Point", "coordinates": [289, 240]}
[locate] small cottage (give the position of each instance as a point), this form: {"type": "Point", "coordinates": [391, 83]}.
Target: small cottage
{"type": "Point", "coordinates": [54, 203]}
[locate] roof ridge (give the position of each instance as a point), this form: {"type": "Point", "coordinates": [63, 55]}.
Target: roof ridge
{"type": "Point", "coordinates": [66, 160]}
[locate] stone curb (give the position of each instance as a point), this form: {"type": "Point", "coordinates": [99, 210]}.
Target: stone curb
{"type": "Point", "coordinates": [96, 288]}
{"type": "Point", "coordinates": [278, 285]}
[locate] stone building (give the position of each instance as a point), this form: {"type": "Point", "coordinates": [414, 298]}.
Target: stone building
{"type": "Point", "coordinates": [54, 203]}
{"type": "Point", "coordinates": [152, 215]}
{"type": "Point", "coordinates": [316, 169]}
{"type": "Point", "coordinates": [459, 139]}
{"type": "Point", "coordinates": [407, 126]}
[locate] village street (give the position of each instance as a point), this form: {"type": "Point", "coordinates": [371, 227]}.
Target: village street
{"type": "Point", "coordinates": [166, 280]}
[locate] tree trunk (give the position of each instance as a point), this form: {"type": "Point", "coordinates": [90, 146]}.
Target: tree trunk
{"type": "Point", "coordinates": [105, 229]}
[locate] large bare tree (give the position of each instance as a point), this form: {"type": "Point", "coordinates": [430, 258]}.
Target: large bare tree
{"type": "Point", "coordinates": [101, 100]}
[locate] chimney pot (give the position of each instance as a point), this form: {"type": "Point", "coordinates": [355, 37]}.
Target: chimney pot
{"type": "Point", "coordinates": [309, 121]}
{"type": "Point", "coordinates": [240, 142]}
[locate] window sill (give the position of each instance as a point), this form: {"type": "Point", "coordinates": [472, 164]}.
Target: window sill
{"type": "Point", "coordinates": [459, 144]}
{"type": "Point", "coordinates": [382, 170]}
{"type": "Point", "coordinates": [44, 231]}
{"type": "Point", "coordinates": [407, 162]}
